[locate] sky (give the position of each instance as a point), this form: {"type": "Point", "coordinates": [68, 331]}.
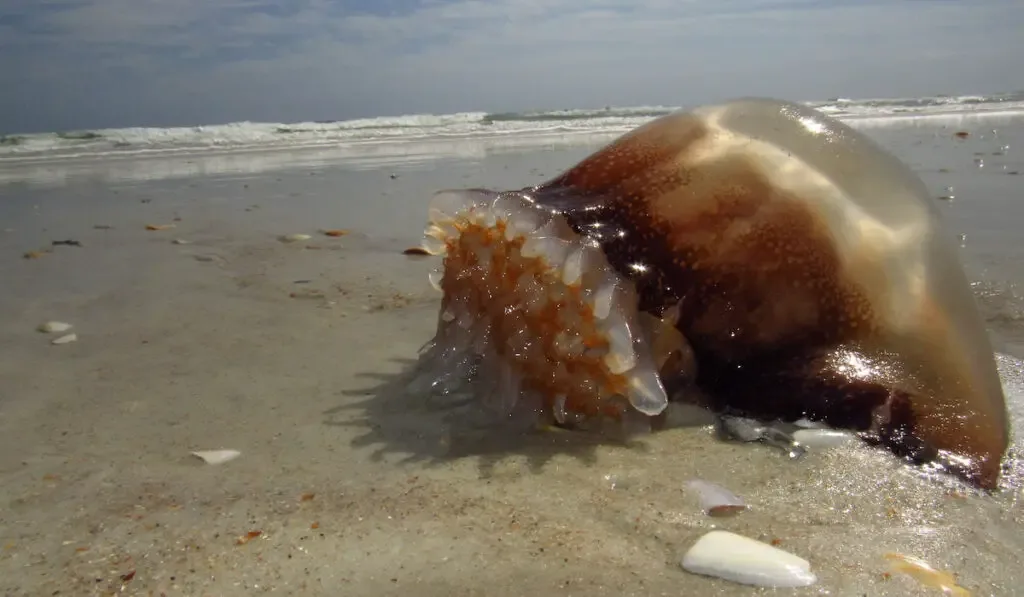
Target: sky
{"type": "Point", "coordinates": [80, 64]}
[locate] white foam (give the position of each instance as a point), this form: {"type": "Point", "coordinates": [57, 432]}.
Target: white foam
{"type": "Point", "coordinates": [401, 133]}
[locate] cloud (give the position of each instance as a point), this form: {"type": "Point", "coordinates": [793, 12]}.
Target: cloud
{"type": "Point", "coordinates": [92, 63]}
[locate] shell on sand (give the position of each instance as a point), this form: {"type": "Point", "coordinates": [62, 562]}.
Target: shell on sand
{"type": "Point", "coordinates": [822, 439]}
{"type": "Point", "coordinates": [925, 574]}
{"type": "Point", "coordinates": [65, 339]}
{"type": "Point", "coordinates": [715, 499]}
{"type": "Point", "coordinates": [739, 559]}
{"type": "Point", "coordinates": [755, 257]}
{"type": "Point", "coordinates": [293, 238]}
{"type": "Point", "coordinates": [53, 327]}
{"type": "Point", "coordinates": [216, 456]}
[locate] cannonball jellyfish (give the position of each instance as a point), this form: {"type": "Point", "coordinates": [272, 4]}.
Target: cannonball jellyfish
{"type": "Point", "coordinates": [756, 257]}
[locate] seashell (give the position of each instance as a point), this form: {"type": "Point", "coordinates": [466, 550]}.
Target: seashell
{"type": "Point", "coordinates": [334, 232]}
{"type": "Point", "coordinates": [51, 327]}
{"type": "Point", "coordinates": [822, 439]}
{"type": "Point", "coordinates": [155, 227]}
{"type": "Point", "coordinates": [742, 560]}
{"type": "Point", "coordinates": [762, 226]}
{"type": "Point", "coordinates": [923, 573]}
{"type": "Point", "coordinates": [293, 238]}
{"type": "Point", "coordinates": [716, 500]}
{"type": "Point", "coordinates": [66, 339]}
{"type": "Point", "coordinates": [216, 456]}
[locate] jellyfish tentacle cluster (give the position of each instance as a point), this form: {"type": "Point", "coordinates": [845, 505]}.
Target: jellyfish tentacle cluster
{"type": "Point", "coordinates": [532, 311]}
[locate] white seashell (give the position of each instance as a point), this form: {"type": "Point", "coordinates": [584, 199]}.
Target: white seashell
{"type": "Point", "coordinates": [51, 327]}
{"type": "Point", "coordinates": [65, 339]}
{"type": "Point", "coordinates": [742, 560]}
{"type": "Point", "coordinates": [715, 499]}
{"type": "Point", "coordinates": [216, 456]}
{"type": "Point", "coordinates": [292, 238]}
{"type": "Point", "coordinates": [822, 439]}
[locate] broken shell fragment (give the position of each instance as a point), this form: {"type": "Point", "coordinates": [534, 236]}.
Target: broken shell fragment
{"type": "Point", "coordinates": [742, 560]}
{"type": "Point", "coordinates": [923, 573]}
{"type": "Point", "coordinates": [52, 327]}
{"type": "Point", "coordinates": [716, 500]}
{"type": "Point", "coordinates": [216, 456]}
{"type": "Point", "coordinates": [69, 338]}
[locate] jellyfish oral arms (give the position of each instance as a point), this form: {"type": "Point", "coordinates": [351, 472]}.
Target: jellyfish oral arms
{"type": "Point", "coordinates": [533, 311]}
{"type": "Point", "coordinates": [770, 258]}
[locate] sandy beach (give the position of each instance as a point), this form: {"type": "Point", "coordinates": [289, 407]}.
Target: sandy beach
{"type": "Point", "coordinates": [295, 353]}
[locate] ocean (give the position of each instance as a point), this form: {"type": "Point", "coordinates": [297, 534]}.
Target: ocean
{"type": "Point", "coordinates": [514, 129]}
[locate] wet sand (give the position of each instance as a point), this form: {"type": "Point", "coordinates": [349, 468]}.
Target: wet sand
{"type": "Point", "coordinates": [294, 354]}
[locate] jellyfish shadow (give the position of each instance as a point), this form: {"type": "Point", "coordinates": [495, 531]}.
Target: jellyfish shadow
{"type": "Point", "coordinates": [431, 430]}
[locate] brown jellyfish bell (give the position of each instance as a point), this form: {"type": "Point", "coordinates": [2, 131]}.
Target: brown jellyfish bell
{"type": "Point", "coordinates": [756, 257]}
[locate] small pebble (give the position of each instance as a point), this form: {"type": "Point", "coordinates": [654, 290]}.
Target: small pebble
{"type": "Point", "coordinates": [292, 238]}
{"type": "Point", "coordinates": [181, 241]}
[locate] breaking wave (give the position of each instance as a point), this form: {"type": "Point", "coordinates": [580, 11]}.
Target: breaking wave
{"type": "Point", "coordinates": [418, 127]}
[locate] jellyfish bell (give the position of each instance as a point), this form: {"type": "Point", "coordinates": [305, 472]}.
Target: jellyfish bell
{"type": "Point", "coordinates": [776, 260]}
